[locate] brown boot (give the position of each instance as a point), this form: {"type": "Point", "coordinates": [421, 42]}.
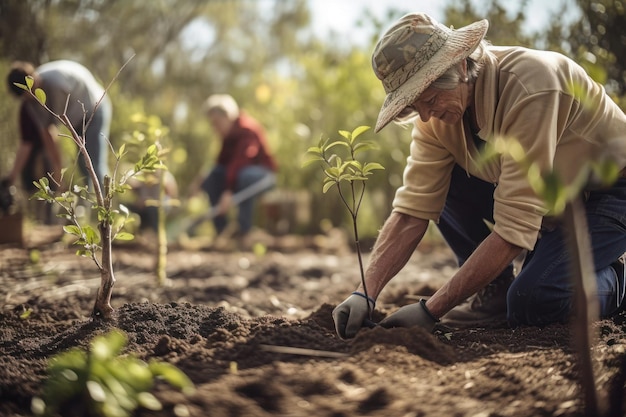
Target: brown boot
{"type": "Point", "coordinates": [486, 307]}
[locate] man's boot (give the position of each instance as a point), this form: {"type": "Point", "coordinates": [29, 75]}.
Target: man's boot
{"type": "Point", "coordinates": [486, 307]}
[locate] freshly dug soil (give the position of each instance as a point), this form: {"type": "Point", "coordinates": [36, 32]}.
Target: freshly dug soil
{"type": "Point", "coordinates": [230, 319]}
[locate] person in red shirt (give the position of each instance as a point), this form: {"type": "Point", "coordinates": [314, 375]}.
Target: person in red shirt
{"type": "Point", "coordinates": [244, 160]}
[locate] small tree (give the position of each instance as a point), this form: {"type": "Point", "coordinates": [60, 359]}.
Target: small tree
{"type": "Point", "coordinates": [151, 131]}
{"type": "Point", "coordinates": [564, 201]}
{"type": "Point", "coordinates": [347, 170]}
{"type": "Point", "coordinates": [110, 221]}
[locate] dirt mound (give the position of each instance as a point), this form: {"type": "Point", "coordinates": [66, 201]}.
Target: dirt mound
{"type": "Point", "coordinates": [414, 340]}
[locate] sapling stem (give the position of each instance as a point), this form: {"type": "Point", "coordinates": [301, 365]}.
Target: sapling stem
{"type": "Point", "coordinates": [351, 171]}
{"type": "Point", "coordinates": [354, 210]}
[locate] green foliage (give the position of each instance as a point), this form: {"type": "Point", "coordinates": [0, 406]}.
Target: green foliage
{"type": "Point", "coordinates": [103, 382]}
{"type": "Point", "coordinates": [347, 169]}
{"type": "Point", "coordinates": [100, 201]}
{"type": "Point", "coordinates": [295, 84]}
{"type": "Point", "coordinates": [547, 184]}
{"type": "Point", "coordinates": [344, 167]}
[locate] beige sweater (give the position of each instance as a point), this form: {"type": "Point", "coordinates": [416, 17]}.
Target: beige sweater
{"type": "Point", "coordinates": [560, 116]}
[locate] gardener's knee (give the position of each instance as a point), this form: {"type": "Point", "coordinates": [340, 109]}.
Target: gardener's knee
{"type": "Point", "coordinates": [537, 306]}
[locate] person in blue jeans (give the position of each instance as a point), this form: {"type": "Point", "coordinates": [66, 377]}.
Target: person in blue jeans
{"type": "Point", "coordinates": [459, 94]}
{"type": "Point", "coordinates": [66, 83]}
{"type": "Point", "coordinates": [541, 293]}
{"type": "Point", "coordinates": [244, 161]}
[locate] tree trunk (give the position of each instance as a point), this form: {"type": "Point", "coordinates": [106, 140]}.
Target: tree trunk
{"type": "Point", "coordinates": [161, 256]}
{"type": "Point", "coordinates": [102, 308]}
{"type": "Point", "coordinates": [586, 309]}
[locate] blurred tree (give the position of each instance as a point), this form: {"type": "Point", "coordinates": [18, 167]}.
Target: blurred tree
{"type": "Point", "coordinates": [264, 54]}
{"type": "Point", "coordinates": [21, 32]}
{"type": "Point", "coordinates": [599, 40]}
{"type": "Point", "coordinates": [505, 22]}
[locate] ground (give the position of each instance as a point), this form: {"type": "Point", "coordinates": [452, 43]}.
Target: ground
{"type": "Point", "coordinates": [227, 317]}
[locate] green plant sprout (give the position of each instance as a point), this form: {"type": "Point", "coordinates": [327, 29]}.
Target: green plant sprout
{"type": "Point", "coordinates": [350, 170]}
{"type": "Point", "coordinates": [564, 201]}
{"type": "Point", "coordinates": [102, 382]}
{"type": "Point", "coordinates": [110, 221]}
{"type": "Point", "coordinates": [150, 130]}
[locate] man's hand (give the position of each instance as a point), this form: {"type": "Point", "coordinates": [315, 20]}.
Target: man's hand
{"type": "Point", "coordinates": [350, 315]}
{"type": "Point", "coordinates": [225, 202]}
{"type": "Point", "coordinates": [411, 315]}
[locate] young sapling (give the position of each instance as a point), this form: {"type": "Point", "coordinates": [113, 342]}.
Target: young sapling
{"type": "Point", "coordinates": [110, 221]}
{"type": "Point", "coordinates": [349, 175]}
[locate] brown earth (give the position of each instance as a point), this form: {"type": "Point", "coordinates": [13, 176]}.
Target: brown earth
{"type": "Point", "coordinates": [225, 319]}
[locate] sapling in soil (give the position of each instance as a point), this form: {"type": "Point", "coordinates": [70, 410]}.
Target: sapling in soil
{"type": "Point", "coordinates": [348, 171]}
{"type": "Point", "coordinates": [110, 221]}
{"type": "Point", "coordinates": [565, 204]}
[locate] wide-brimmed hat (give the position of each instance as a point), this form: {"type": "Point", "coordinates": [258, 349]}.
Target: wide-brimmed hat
{"type": "Point", "coordinates": [413, 53]}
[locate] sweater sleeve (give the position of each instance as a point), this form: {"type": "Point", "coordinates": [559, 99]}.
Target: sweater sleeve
{"type": "Point", "coordinates": [535, 122]}
{"type": "Point", "coordinates": [245, 152]}
{"type": "Point", "coordinates": [426, 177]}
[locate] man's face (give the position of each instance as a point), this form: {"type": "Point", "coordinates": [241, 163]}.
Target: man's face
{"type": "Point", "coordinates": [220, 123]}
{"type": "Point", "coordinates": [445, 105]}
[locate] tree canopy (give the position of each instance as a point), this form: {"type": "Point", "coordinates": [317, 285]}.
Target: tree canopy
{"type": "Point", "coordinates": [267, 56]}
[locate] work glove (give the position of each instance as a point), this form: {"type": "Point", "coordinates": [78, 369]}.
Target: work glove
{"type": "Point", "coordinates": [352, 314]}
{"type": "Point", "coordinates": [411, 315]}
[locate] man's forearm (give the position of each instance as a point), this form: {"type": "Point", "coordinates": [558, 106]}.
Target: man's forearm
{"type": "Point", "coordinates": [21, 156]}
{"type": "Point", "coordinates": [395, 244]}
{"type": "Point", "coordinates": [483, 266]}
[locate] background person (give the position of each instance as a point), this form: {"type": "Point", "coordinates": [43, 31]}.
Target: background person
{"type": "Point", "coordinates": [244, 159]}
{"type": "Point", "coordinates": [60, 79]}
{"type": "Point", "coordinates": [460, 93]}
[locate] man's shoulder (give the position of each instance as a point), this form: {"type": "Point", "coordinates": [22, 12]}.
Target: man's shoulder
{"type": "Point", "coordinates": [537, 70]}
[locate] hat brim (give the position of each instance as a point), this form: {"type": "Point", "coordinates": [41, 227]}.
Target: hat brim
{"type": "Point", "coordinates": [459, 45]}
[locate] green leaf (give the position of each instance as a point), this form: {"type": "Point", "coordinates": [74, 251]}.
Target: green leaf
{"type": "Point", "coordinates": [96, 392]}
{"type": "Point", "coordinates": [358, 131]}
{"type": "Point", "coordinates": [124, 236]}
{"type": "Point", "coordinates": [26, 313]}
{"type": "Point", "coordinates": [22, 86]}
{"type": "Point", "coordinates": [336, 143]}
{"type": "Point", "coordinates": [554, 193]}
{"type": "Point", "coordinates": [109, 345]}
{"type": "Point", "coordinates": [91, 235]}
{"type": "Point", "coordinates": [41, 95]}
{"type": "Point", "coordinates": [171, 374]}
{"type": "Point", "coordinates": [607, 171]}
{"type": "Point", "coordinates": [370, 166]}
{"type": "Point", "coordinates": [345, 134]}
{"type": "Point", "coordinates": [311, 160]}
{"type": "Point", "coordinates": [149, 401]}
{"type": "Point", "coordinates": [317, 150]}
{"type": "Point", "coordinates": [120, 152]}
{"type": "Point", "coordinates": [352, 163]}
{"type": "Point", "coordinates": [73, 230]}
{"type": "Point", "coordinates": [124, 210]}
{"type": "Point", "coordinates": [328, 186]}
{"type": "Point", "coordinates": [30, 81]}
{"type": "Point", "coordinates": [332, 172]}
{"type": "Point", "coordinates": [364, 146]}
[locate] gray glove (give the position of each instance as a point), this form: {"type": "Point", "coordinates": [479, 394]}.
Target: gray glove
{"type": "Point", "coordinates": [411, 315]}
{"type": "Point", "coordinates": [351, 315]}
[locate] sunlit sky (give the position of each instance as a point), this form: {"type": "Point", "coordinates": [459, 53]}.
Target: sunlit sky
{"type": "Point", "coordinates": [339, 16]}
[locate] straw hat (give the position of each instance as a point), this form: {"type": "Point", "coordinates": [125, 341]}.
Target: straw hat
{"type": "Point", "coordinates": [413, 53]}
